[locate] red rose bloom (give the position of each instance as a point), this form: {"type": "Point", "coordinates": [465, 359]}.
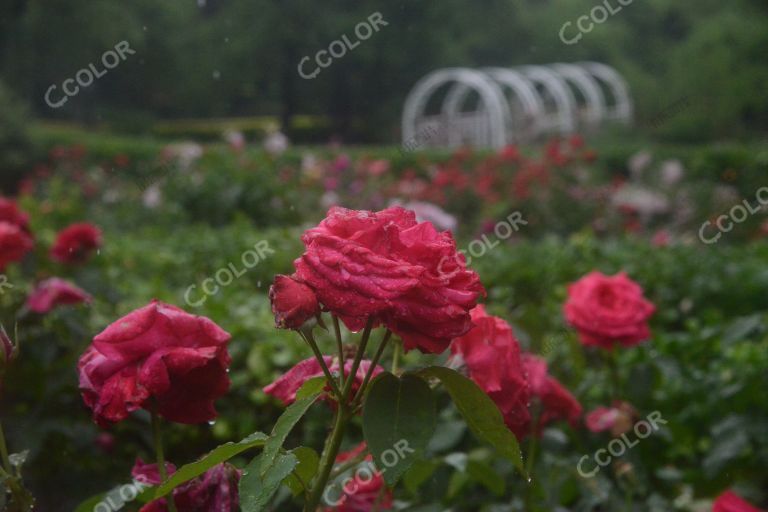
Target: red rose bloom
{"type": "Point", "coordinates": [293, 302]}
{"type": "Point", "coordinates": [385, 265]}
{"type": "Point", "coordinates": [285, 387]}
{"type": "Point", "coordinates": [14, 244]}
{"type": "Point", "coordinates": [492, 357]}
{"type": "Point", "coordinates": [363, 492]}
{"type": "Point", "coordinates": [9, 212]}
{"type": "Point", "coordinates": [214, 491]}
{"type": "Point", "coordinates": [55, 292]}
{"type": "Point", "coordinates": [161, 355]}
{"type": "Point", "coordinates": [75, 243]}
{"type": "Point", "coordinates": [555, 401]}
{"type": "Point", "coordinates": [731, 502]}
{"type": "Point", "coordinates": [608, 310]}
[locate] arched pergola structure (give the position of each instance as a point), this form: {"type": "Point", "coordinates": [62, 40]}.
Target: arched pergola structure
{"type": "Point", "coordinates": [512, 105]}
{"type": "Point", "coordinates": [619, 107]}
{"type": "Point", "coordinates": [591, 110]}
{"type": "Point", "coordinates": [487, 127]}
{"type": "Point", "coordinates": [525, 106]}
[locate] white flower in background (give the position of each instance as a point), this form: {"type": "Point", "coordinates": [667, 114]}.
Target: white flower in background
{"type": "Point", "coordinates": [310, 166]}
{"type": "Point", "coordinates": [672, 172]}
{"type": "Point", "coordinates": [152, 196]}
{"type": "Point", "coordinates": [424, 211]}
{"type": "Point", "coordinates": [645, 201]}
{"type": "Point", "coordinates": [329, 199]}
{"type": "Point", "coordinates": [638, 162]}
{"type": "Point", "coordinates": [235, 139]}
{"type": "Point", "coordinates": [276, 142]}
{"type": "Point", "coordinates": [185, 153]}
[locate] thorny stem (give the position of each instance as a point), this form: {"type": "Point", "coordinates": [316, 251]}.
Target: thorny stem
{"type": "Point", "coordinates": [310, 339]}
{"type": "Point", "coordinates": [158, 439]}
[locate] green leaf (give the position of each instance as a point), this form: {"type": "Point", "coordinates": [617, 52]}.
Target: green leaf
{"type": "Point", "coordinates": [216, 456]}
{"type": "Point", "coordinates": [312, 386]}
{"type": "Point", "coordinates": [258, 487]}
{"type": "Point", "coordinates": [487, 476]}
{"type": "Point", "coordinates": [481, 414]}
{"type": "Point", "coordinates": [398, 422]}
{"type": "Point", "coordinates": [419, 473]}
{"type": "Point", "coordinates": [90, 504]}
{"type": "Point", "coordinates": [309, 461]}
{"type": "Point", "coordinates": [310, 391]}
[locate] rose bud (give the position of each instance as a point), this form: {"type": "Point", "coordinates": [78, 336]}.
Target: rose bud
{"type": "Point", "coordinates": [293, 302]}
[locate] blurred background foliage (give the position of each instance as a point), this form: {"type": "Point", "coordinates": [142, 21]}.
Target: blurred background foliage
{"type": "Point", "coordinates": [239, 58]}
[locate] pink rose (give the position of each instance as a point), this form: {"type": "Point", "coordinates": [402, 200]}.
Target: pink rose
{"type": "Point", "coordinates": [214, 491]}
{"type": "Point", "coordinates": [293, 302]}
{"type": "Point", "coordinates": [55, 292]}
{"type": "Point", "coordinates": [75, 243]}
{"type": "Point", "coordinates": [731, 502]}
{"type": "Point", "coordinates": [491, 354]}
{"type": "Point", "coordinates": [157, 356]}
{"type": "Point", "coordinates": [15, 243]}
{"type": "Point", "coordinates": [385, 265]}
{"type": "Point", "coordinates": [617, 419]}
{"type": "Point", "coordinates": [285, 387]}
{"type": "Point", "coordinates": [10, 212]}
{"type": "Point", "coordinates": [608, 310]}
{"type": "Point", "coordinates": [556, 402]}
{"type": "Point", "coordinates": [363, 493]}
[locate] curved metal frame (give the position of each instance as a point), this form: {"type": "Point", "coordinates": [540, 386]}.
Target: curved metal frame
{"type": "Point", "coordinates": [562, 120]}
{"type": "Point", "coordinates": [595, 107]}
{"type": "Point", "coordinates": [622, 108]}
{"type": "Point", "coordinates": [523, 90]}
{"type": "Point", "coordinates": [494, 103]}
{"type": "Point", "coordinates": [494, 123]}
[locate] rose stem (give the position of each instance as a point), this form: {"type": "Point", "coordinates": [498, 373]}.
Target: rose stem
{"type": "Point", "coordinates": [358, 357]}
{"type": "Point", "coordinates": [613, 368]}
{"type": "Point", "coordinates": [310, 339]}
{"type": "Point", "coordinates": [340, 346]}
{"type": "Point", "coordinates": [532, 446]}
{"type": "Point", "coordinates": [398, 350]}
{"type": "Point", "coordinates": [158, 438]}
{"type": "Point", "coordinates": [4, 452]}
{"type": "Point", "coordinates": [333, 443]}
{"type": "Point", "coordinates": [374, 362]}
{"type": "Point", "coordinates": [328, 458]}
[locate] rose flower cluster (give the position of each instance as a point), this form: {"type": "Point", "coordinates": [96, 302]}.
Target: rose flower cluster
{"type": "Point", "coordinates": [73, 245]}
{"type": "Point", "coordinates": [368, 270]}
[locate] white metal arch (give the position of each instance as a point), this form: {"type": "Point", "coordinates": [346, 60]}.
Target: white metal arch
{"type": "Point", "coordinates": [622, 108]}
{"type": "Point", "coordinates": [594, 109]}
{"type": "Point", "coordinates": [490, 129]}
{"type": "Point", "coordinates": [524, 125]}
{"type": "Point", "coordinates": [562, 120]}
